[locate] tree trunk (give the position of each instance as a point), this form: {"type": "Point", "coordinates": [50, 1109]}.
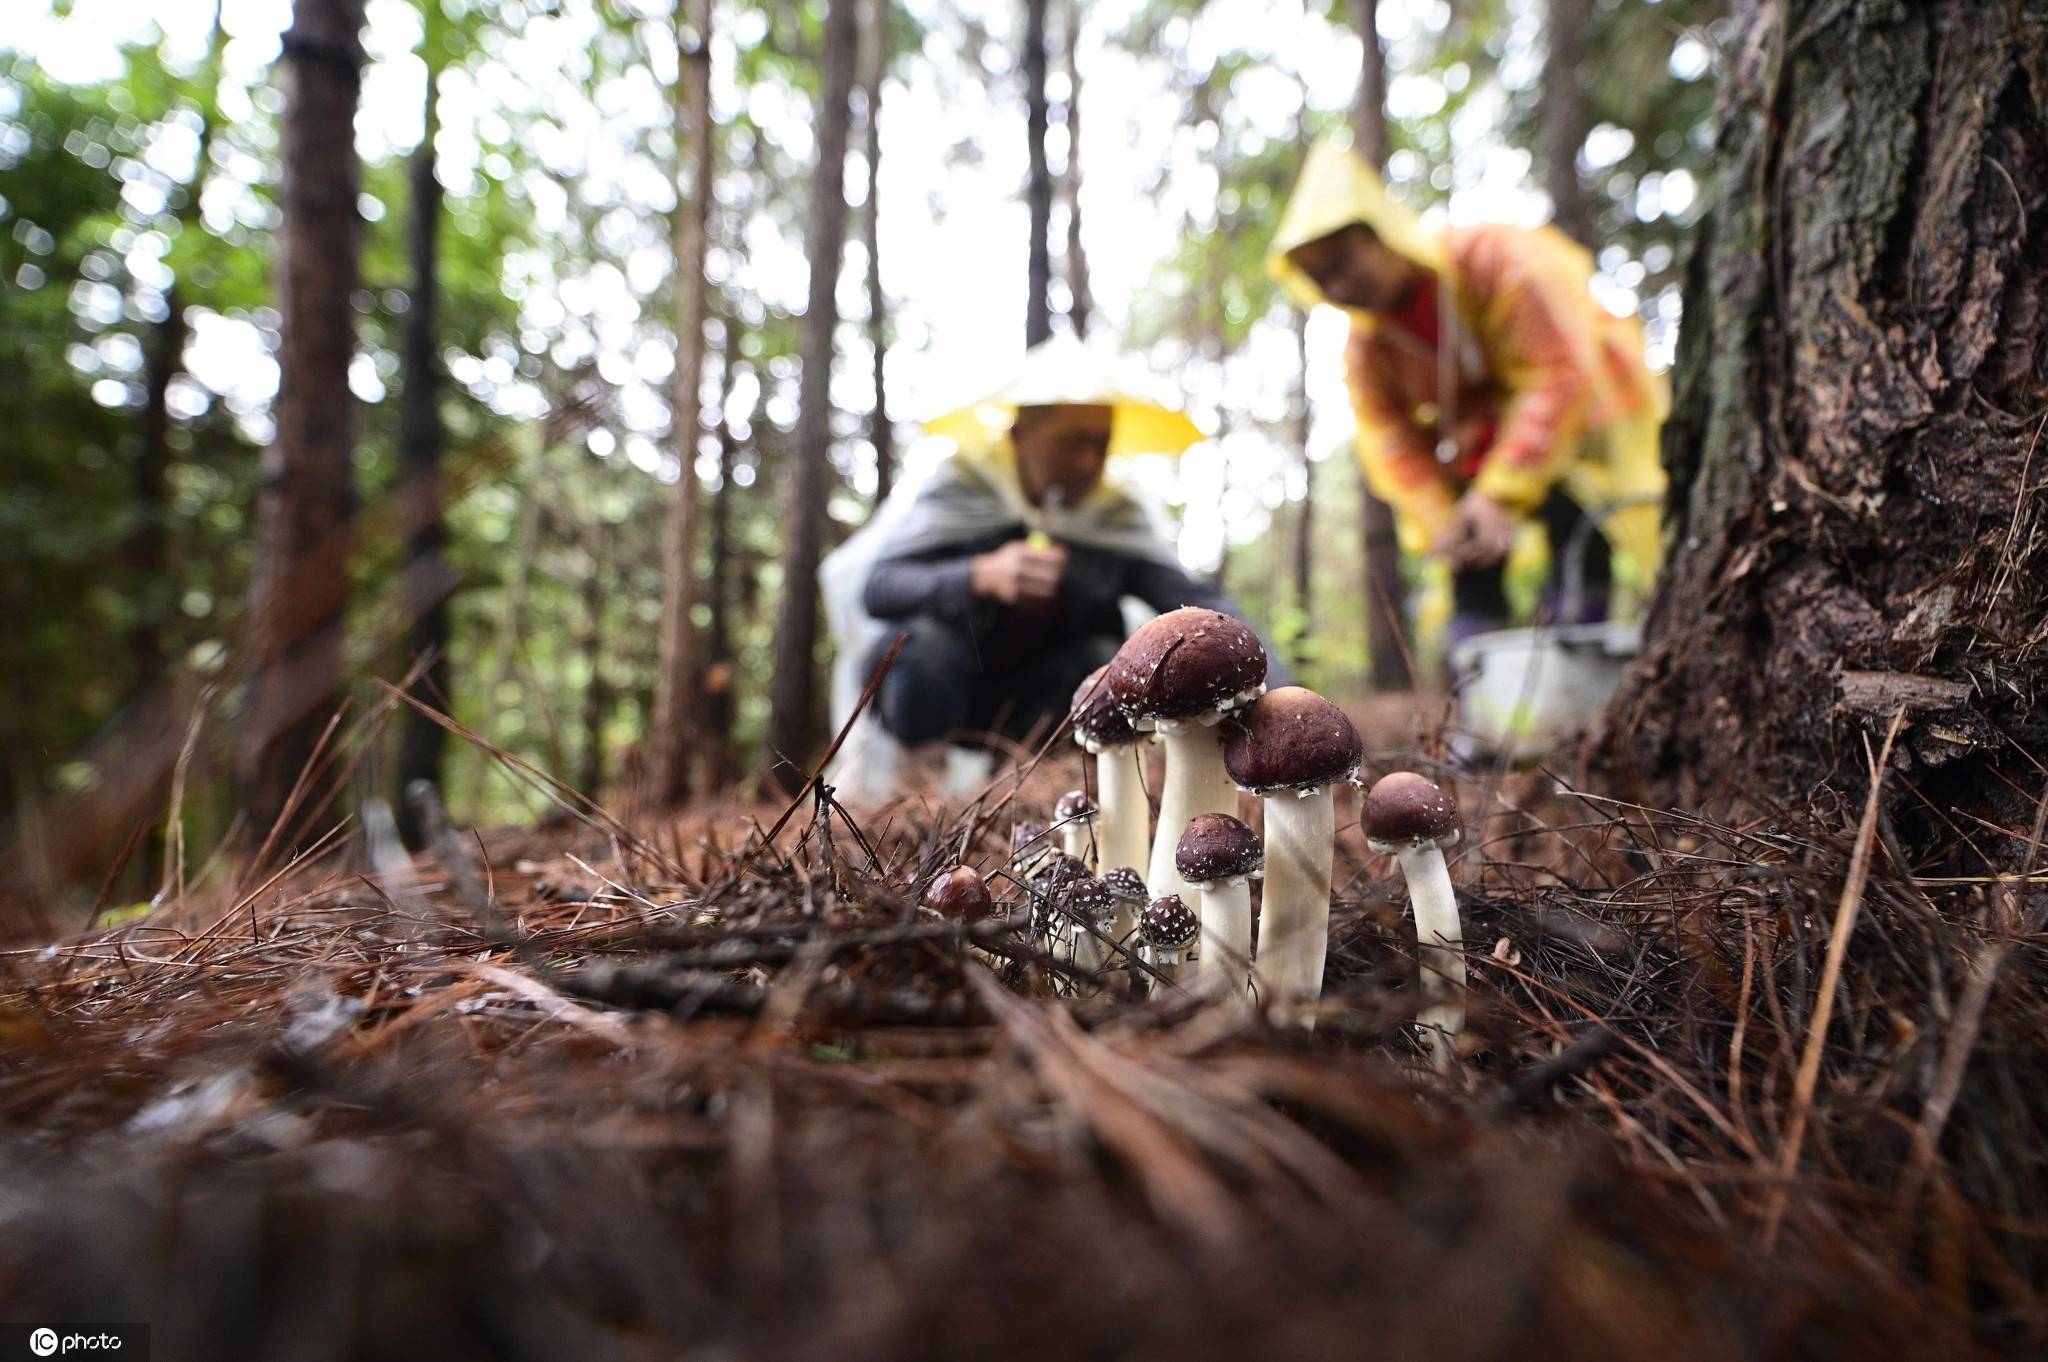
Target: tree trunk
{"type": "Point", "coordinates": [1565, 120]}
{"type": "Point", "coordinates": [1854, 451]}
{"type": "Point", "coordinates": [1080, 302]}
{"type": "Point", "coordinates": [597, 693]}
{"type": "Point", "coordinates": [669, 740]}
{"type": "Point", "coordinates": [1038, 187]}
{"type": "Point", "coordinates": [794, 694]}
{"type": "Point", "coordinates": [421, 441]}
{"type": "Point", "coordinates": [299, 589]}
{"type": "Point", "coordinates": [719, 670]}
{"type": "Point", "coordinates": [149, 546]}
{"type": "Point", "coordinates": [1305, 517]}
{"type": "Point", "coordinates": [1385, 631]}
{"type": "Point", "coordinates": [874, 66]}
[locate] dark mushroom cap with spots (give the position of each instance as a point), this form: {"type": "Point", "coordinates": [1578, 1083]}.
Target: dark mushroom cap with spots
{"type": "Point", "coordinates": [1090, 899]}
{"type": "Point", "coordinates": [1187, 664]}
{"type": "Point", "coordinates": [1099, 721]}
{"type": "Point", "coordinates": [1167, 924]}
{"type": "Point", "coordinates": [1405, 811]}
{"type": "Point", "coordinates": [959, 893]}
{"type": "Point", "coordinates": [1029, 845]}
{"type": "Point", "coordinates": [1215, 848]}
{"type": "Point", "coordinates": [1074, 805]}
{"type": "Point", "coordinates": [1126, 883]}
{"type": "Point", "coordinates": [1291, 739]}
{"type": "Point", "coordinates": [1059, 871]}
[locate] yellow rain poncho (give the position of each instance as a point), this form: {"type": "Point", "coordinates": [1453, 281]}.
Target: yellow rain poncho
{"type": "Point", "coordinates": [1545, 387]}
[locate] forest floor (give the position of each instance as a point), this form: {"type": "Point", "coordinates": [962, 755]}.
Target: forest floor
{"type": "Point", "coordinates": [700, 1091]}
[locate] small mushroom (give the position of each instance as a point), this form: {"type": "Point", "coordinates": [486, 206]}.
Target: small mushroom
{"type": "Point", "coordinates": [959, 894]}
{"type": "Point", "coordinates": [1105, 732]}
{"type": "Point", "coordinates": [1408, 817]}
{"type": "Point", "coordinates": [1220, 857]}
{"type": "Point", "coordinates": [1292, 748]}
{"type": "Point", "coordinates": [1169, 930]}
{"type": "Point", "coordinates": [1089, 903]}
{"type": "Point", "coordinates": [1057, 874]}
{"type": "Point", "coordinates": [1179, 675]}
{"type": "Point", "coordinates": [1030, 845]}
{"type": "Point", "coordinates": [1074, 816]}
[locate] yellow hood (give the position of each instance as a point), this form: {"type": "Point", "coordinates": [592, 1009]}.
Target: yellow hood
{"type": "Point", "coordinates": [1065, 371]}
{"type": "Point", "coordinates": [1336, 189]}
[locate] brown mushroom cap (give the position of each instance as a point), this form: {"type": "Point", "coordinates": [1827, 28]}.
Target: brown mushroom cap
{"type": "Point", "coordinates": [1091, 899]}
{"type": "Point", "coordinates": [1072, 806]}
{"type": "Point", "coordinates": [959, 893]}
{"type": "Point", "coordinates": [1126, 883]}
{"type": "Point", "coordinates": [1217, 847]}
{"type": "Point", "coordinates": [1029, 845]}
{"type": "Point", "coordinates": [1186, 664]}
{"type": "Point", "coordinates": [1059, 871]}
{"type": "Point", "coordinates": [1291, 739]}
{"type": "Point", "coordinates": [1099, 721]}
{"type": "Point", "coordinates": [1405, 811]}
{"type": "Point", "coordinates": [1168, 924]}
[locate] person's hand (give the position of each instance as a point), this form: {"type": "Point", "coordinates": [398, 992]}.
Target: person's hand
{"type": "Point", "coordinates": [1480, 533]}
{"type": "Point", "coordinates": [1018, 574]}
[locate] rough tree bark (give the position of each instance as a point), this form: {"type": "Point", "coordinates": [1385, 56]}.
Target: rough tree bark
{"type": "Point", "coordinates": [1565, 120]}
{"type": "Point", "coordinates": [294, 652]}
{"type": "Point", "coordinates": [1385, 632]}
{"type": "Point", "coordinates": [1038, 184]}
{"type": "Point", "coordinates": [421, 441]}
{"type": "Point", "coordinates": [874, 66]}
{"type": "Point", "coordinates": [793, 694]}
{"type": "Point", "coordinates": [669, 736]}
{"type": "Point", "coordinates": [1080, 301]}
{"type": "Point", "coordinates": [1855, 460]}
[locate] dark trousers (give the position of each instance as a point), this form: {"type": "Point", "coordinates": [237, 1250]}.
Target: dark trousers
{"type": "Point", "coordinates": [938, 688]}
{"type": "Point", "coordinates": [1479, 598]}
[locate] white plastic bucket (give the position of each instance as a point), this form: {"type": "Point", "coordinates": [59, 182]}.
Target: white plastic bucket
{"type": "Point", "coordinates": [1524, 691]}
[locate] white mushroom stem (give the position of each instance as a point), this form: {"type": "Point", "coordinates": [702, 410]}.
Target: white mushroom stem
{"type": "Point", "coordinates": [1196, 783]}
{"type": "Point", "coordinates": [1226, 941]}
{"type": "Point", "coordinates": [1126, 830]}
{"type": "Point", "coordinates": [1294, 925]}
{"type": "Point", "coordinates": [1440, 945]}
{"type": "Point", "coordinates": [1090, 952]}
{"type": "Point", "coordinates": [1076, 841]}
{"type": "Point", "coordinates": [1168, 963]}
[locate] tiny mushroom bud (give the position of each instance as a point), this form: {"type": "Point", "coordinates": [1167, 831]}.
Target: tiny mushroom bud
{"type": "Point", "coordinates": [1030, 845]}
{"type": "Point", "coordinates": [1074, 816]}
{"type": "Point", "coordinates": [1410, 818]}
{"type": "Point", "coordinates": [1056, 876]}
{"type": "Point", "coordinates": [960, 894]}
{"type": "Point", "coordinates": [1292, 747]}
{"type": "Point", "coordinates": [1168, 929]}
{"type": "Point", "coordinates": [1128, 886]}
{"type": "Point", "coordinates": [1180, 674]}
{"type": "Point", "coordinates": [1220, 856]}
{"type": "Point", "coordinates": [1105, 731]}
{"type": "Point", "coordinates": [1089, 904]}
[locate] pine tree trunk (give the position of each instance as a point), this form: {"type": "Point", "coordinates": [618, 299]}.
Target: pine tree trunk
{"type": "Point", "coordinates": [421, 442]}
{"type": "Point", "coordinates": [793, 698]}
{"type": "Point", "coordinates": [875, 65]}
{"type": "Point", "coordinates": [1565, 120]}
{"type": "Point", "coordinates": [1385, 633]}
{"type": "Point", "coordinates": [1305, 516]}
{"type": "Point", "coordinates": [1038, 186]}
{"type": "Point", "coordinates": [669, 738]}
{"type": "Point", "coordinates": [299, 592]}
{"type": "Point", "coordinates": [720, 671]}
{"type": "Point", "coordinates": [597, 692]}
{"type": "Point", "coordinates": [1854, 452]}
{"type": "Point", "coordinates": [1080, 302]}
